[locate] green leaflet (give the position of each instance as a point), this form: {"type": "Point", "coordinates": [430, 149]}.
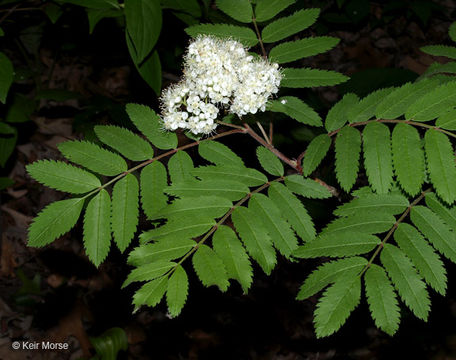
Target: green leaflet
{"type": "Point", "coordinates": [315, 152]}
{"type": "Point", "coordinates": [306, 187]}
{"type": "Point", "coordinates": [243, 34]}
{"type": "Point", "coordinates": [269, 161]}
{"type": "Point", "coordinates": [64, 177]}
{"type": "Point", "coordinates": [230, 190]}
{"type": "Point", "coordinates": [153, 183]}
{"type": "Point", "coordinates": [109, 343]}
{"type": "Point", "coordinates": [408, 158]}
{"type": "Point", "coordinates": [203, 206]}
{"type": "Point", "coordinates": [97, 227]}
{"type": "Point", "coordinates": [364, 222]}
{"type": "Point", "coordinates": [150, 293]}
{"type": "Point", "coordinates": [295, 50]}
{"type": "Point", "coordinates": [255, 238]}
{"type": "Point", "coordinates": [239, 10]}
{"type": "Point", "coordinates": [93, 157]}
{"type": "Point", "coordinates": [435, 230]}
{"type": "Point", "coordinates": [377, 156]}
{"type": "Point", "coordinates": [336, 304]}
{"type": "Point", "coordinates": [393, 204]}
{"type": "Point", "coordinates": [448, 215]}
{"type": "Point", "coordinates": [6, 76]}
{"type": "Point", "coordinates": [236, 261]}
{"type": "Point", "coordinates": [365, 109]}
{"type": "Point", "coordinates": [422, 256]}
{"type": "Point", "coordinates": [209, 268]}
{"type": "Point", "coordinates": [290, 25]}
{"type": "Point", "coordinates": [348, 150]}
{"type": "Point", "coordinates": [434, 103]}
{"type": "Point", "coordinates": [125, 142]}
{"type": "Point", "coordinates": [271, 219]}
{"type": "Point", "coordinates": [177, 291]}
{"type": "Point", "coordinates": [437, 68]}
{"type": "Point", "coordinates": [440, 50]}
{"type": "Point", "coordinates": [8, 138]}
{"type": "Point", "coordinates": [189, 6]}
{"type": "Point", "coordinates": [243, 175]}
{"type": "Point", "coordinates": [296, 109]}
{"type": "Point", "coordinates": [54, 220]}
{"type": "Point", "coordinates": [306, 77]}
{"type": "Point", "coordinates": [338, 114]}
{"type": "Point", "coordinates": [396, 103]}
{"type": "Point", "coordinates": [382, 299]}
{"type": "Point", "coordinates": [328, 273]}
{"type": "Point", "coordinates": [149, 123]}
{"type": "Point", "coordinates": [293, 211]}
{"type": "Point", "coordinates": [125, 211]}
{"type": "Point", "coordinates": [452, 31]}
{"type": "Point", "coordinates": [219, 154]}
{"type": "Point", "coordinates": [267, 9]}
{"type": "Point", "coordinates": [447, 121]}
{"type": "Point", "coordinates": [148, 272]}
{"type": "Point", "coordinates": [162, 250]}
{"type": "Point", "coordinates": [180, 167]}
{"type": "Point", "coordinates": [337, 244]}
{"type": "Point", "coordinates": [441, 165]}
{"type": "Point", "coordinates": [406, 280]}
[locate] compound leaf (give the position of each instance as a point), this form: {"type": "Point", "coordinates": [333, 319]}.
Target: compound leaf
{"type": "Point", "coordinates": [440, 50]}
{"type": "Point", "coordinates": [243, 34]}
{"type": "Point", "coordinates": [148, 272]}
{"type": "Point", "coordinates": [338, 114]}
{"type": "Point", "coordinates": [162, 250]}
{"type": "Point", "coordinates": [180, 167]}
{"type": "Point", "coordinates": [295, 50]}
{"type": "Point", "coordinates": [177, 291]}
{"type": "Point", "coordinates": [243, 175]}
{"type": "Point", "coordinates": [150, 293]}
{"type": "Point", "coordinates": [448, 215]}
{"type": "Point", "coordinates": [209, 268]}
{"type": "Point", "coordinates": [348, 150]}
{"type": "Point", "coordinates": [231, 190]}
{"type": "Point", "coordinates": [315, 152]}
{"type": "Point", "coordinates": [365, 109]}
{"type": "Point", "coordinates": [364, 222]}
{"type": "Point", "coordinates": [153, 180]}
{"type": "Point", "coordinates": [269, 161]}
{"type": "Point", "coordinates": [267, 9]}
{"type": "Point", "coordinates": [393, 204]}
{"type": "Point", "coordinates": [307, 187]}
{"type": "Point", "coordinates": [239, 10]}
{"type": "Point", "coordinates": [296, 109]}
{"type": "Point", "coordinates": [306, 77]}
{"type": "Point", "coordinates": [219, 154]}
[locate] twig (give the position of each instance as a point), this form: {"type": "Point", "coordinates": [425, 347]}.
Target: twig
{"type": "Point", "coordinates": [263, 132]}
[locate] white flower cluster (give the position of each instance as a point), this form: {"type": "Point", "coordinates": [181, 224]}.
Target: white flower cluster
{"type": "Point", "coordinates": [218, 74]}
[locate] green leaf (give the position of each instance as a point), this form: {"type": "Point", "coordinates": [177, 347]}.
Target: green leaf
{"type": "Point", "coordinates": [440, 50]}
{"type": "Point", "coordinates": [448, 215]}
{"type": "Point", "coordinates": [239, 10]}
{"type": "Point", "coordinates": [267, 9]}
{"type": "Point", "coordinates": [408, 158]}
{"type": "Point", "coordinates": [348, 149]}
{"type": "Point", "coordinates": [144, 22]}
{"type": "Point", "coordinates": [203, 206]}
{"type": "Point", "coordinates": [148, 272]}
{"type": "Point", "coordinates": [243, 175]}
{"type": "Point", "coordinates": [108, 344]}
{"type": "Point", "coordinates": [231, 190]}
{"type": "Point", "coordinates": [278, 229]}
{"type": "Point", "coordinates": [435, 230]}
{"type": "Point", "coordinates": [62, 176]}
{"type": "Point", "coordinates": [452, 31]}
{"type": "Point", "coordinates": [441, 165]}
{"type": "Point", "coordinates": [53, 221]}
{"type": "Point", "coordinates": [433, 104]}
{"type": "Point", "coordinates": [422, 256]}
{"type": "Point", "coordinates": [338, 114]}
{"type": "Point", "coordinates": [336, 304]}
{"type": "Point", "coordinates": [377, 156]}
{"type": "Point", "coordinates": [406, 280]}
{"type": "Point", "coordinates": [243, 34]}
{"type": "Point", "coordinates": [94, 16]}
{"type": "Point", "coordinates": [219, 154]}
{"type": "Point", "coordinates": [328, 273]}
{"type": "Point", "coordinates": [306, 187]}
{"type": "Point", "coordinates": [93, 4]}
{"type": "Point", "coordinates": [150, 70]}
{"type": "Point", "coordinates": [209, 268]}
{"type": "Point", "coordinates": [93, 157]}
{"type": "Point", "coordinates": [236, 261]}
{"type": "Point", "coordinates": [396, 103]}
{"type": "Point", "coordinates": [153, 183]}
{"type": "Point", "coordinates": [365, 109]}
{"type": "Point", "coordinates": [296, 109]}
{"type": "Point", "coordinates": [290, 25]}
{"type": "Point", "coordinates": [160, 251]}
{"type": "Point", "coordinates": [447, 121]}
{"type": "Point", "coordinates": [306, 77]}
{"type": "Point", "coordinates": [177, 291]}
{"type": "Point", "coordinates": [191, 7]}
{"type": "Point", "coordinates": [315, 153]}
{"type": "Point", "coordinates": [125, 142]}
{"type": "Point", "coordinates": [269, 161]}
{"type": "Point", "coordinates": [382, 299]}
{"type": "Point", "coordinates": [255, 238]}
{"type": "Point", "coordinates": [337, 245]}
{"type": "Point", "coordinates": [6, 76]}
{"type": "Point", "coordinates": [295, 50]}
{"type": "Point", "coordinates": [150, 124]}
{"type": "Point", "coordinates": [293, 211]}
{"type": "Point", "coordinates": [364, 222]}
{"type": "Point", "coordinates": [180, 167]}
{"type": "Point", "coordinates": [97, 227]}
{"type": "Point", "coordinates": [150, 293]}
{"type": "Point", "coordinates": [8, 138]}
{"type": "Point", "coordinates": [392, 204]}
{"type": "Point", "coordinates": [125, 212]}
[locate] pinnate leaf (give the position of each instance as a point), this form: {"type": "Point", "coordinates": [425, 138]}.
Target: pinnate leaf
{"type": "Point", "coordinates": [315, 153]}
{"type": "Point", "coordinates": [231, 190]}
{"type": "Point", "coordinates": [447, 214]}
{"type": "Point", "coordinates": [295, 50]}
{"type": "Point", "coordinates": [269, 161]}
{"type": "Point", "coordinates": [296, 109]}
{"type": "Point", "coordinates": [148, 272]}
{"type": "Point", "coordinates": [163, 250]}
{"type": "Point", "coordinates": [393, 204]}
{"type": "Point", "coordinates": [219, 154]}
{"type": "Point", "coordinates": [180, 167]}
{"type": "Point", "coordinates": [440, 50]}
{"type": "Point", "coordinates": [267, 9]}
{"type": "Point", "coordinates": [239, 10]}
{"type": "Point", "coordinates": [177, 291]}
{"type": "Point", "coordinates": [246, 176]}
{"type": "Point", "coordinates": [365, 109]}
{"type": "Point", "coordinates": [209, 268]}
{"type": "Point", "coordinates": [306, 187]}
{"type": "Point", "coordinates": [150, 293]}
{"type": "Point", "coordinates": [306, 77]}
{"type": "Point", "coordinates": [364, 222]}
{"type": "Point", "coordinates": [153, 180]}
{"type": "Point", "coordinates": [348, 150]}
{"type": "Point", "coordinates": [240, 33]}
{"type": "Point", "coordinates": [338, 114]}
